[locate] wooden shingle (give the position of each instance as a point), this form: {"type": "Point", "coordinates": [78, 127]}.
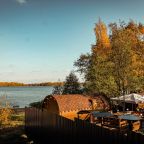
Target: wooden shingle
{"type": "Point", "coordinates": [73, 102]}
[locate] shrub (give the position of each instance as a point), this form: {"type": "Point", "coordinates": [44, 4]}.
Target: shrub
{"type": "Point", "coordinates": [5, 111]}
{"type": "Point", "coordinates": [15, 117]}
{"type": "Point", "coordinates": [36, 104]}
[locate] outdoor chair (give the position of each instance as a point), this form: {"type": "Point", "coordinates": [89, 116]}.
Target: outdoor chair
{"type": "Point", "coordinates": [136, 126]}
{"type": "Point", "coordinates": [97, 120]}
{"type": "Point", "coordinates": [123, 124]}
{"type": "Point", "coordinates": [109, 121]}
{"type": "Point", "coordinates": [120, 124]}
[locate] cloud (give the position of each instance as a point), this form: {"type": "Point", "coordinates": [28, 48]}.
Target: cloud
{"type": "Point", "coordinates": [35, 71]}
{"type": "Point", "coordinates": [21, 1]}
{"type": "Point", "coordinates": [11, 66]}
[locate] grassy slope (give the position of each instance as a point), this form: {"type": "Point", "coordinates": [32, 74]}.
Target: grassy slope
{"type": "Point", "coordinates": [13, 132]}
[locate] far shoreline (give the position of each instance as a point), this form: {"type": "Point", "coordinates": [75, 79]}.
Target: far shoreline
{"type": "Point", "coordinates": [17, 84]}
{"type": "Point", "coordinates": [31, 86]}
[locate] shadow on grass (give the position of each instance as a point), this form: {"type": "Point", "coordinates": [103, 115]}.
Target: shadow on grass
{"type": "Point", "coordinates": [14, 135]}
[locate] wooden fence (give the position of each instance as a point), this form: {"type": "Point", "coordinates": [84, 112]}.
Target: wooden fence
{"type": "Point", "coordinates": [44, 127]}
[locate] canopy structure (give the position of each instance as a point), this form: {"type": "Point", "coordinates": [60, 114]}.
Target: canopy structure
{"type": "Point", "coordinates": [131, 98]}
{"type": "Point", "coordinates": [129, 117]}
{"type": "Point", "coordinates": [101, 114]}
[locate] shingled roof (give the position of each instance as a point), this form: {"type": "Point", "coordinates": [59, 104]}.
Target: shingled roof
{"type": "Point", "coordinates": [72, 102]}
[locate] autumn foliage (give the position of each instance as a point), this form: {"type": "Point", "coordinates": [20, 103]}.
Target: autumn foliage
{"type": "Point", "coordinates": [11, 84]}
{"type": "Point", "coordinates": [115, 65]}
{"type": "Point", "coordinates": [102, 38]}
{"type": "Point", "coordinates": [5, 111]}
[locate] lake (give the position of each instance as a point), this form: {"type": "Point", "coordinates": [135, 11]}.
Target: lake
{"type": "Point", "coordinates": [23, 96]}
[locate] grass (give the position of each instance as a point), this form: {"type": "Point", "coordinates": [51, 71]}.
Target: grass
{"type": "Point", "coordinates": [12, 123]}
{"type": "Point", "coordinates": [18, 117]}
{"type": "Point", "coordinates": [13, 131]}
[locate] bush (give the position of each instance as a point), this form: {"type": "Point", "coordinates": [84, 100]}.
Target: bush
{"type": "Point", "coordinates": [36, 104]}
{"type": "Point", "coordinates": [15, 117]}
{"type": "Point", "coordinates": [5, 111]}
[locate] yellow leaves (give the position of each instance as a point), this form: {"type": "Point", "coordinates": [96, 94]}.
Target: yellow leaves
{"type": "Point", "coordinates": [141, 28]}
{"type": "Point", "coordinates": [5, 115]}
{"type": "Point", "coordinates": [116, 62]}
{"type": "Point", "coordinates": [103, 42]}
{"type": "Point", "coordinates": [5, 111]}
{"type": "Point", "coordinates": [137, 65]}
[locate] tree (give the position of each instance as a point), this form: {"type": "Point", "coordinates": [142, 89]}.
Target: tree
{"type": "Point", "coordinates": [102, 39]}
{"type": "Point", "coordinates": [95, 66]}
{"type": "Point", "coordinates": [127, 58]}
{"type": "Point", "coordinates": [82, 63]}
{"type": "Point", "coordinates": [71, 85]}
{"type": "Point", "coordinates": [5, 111]}
{"type": "Point", "coordinates": [98, 78]}
{"type": "Point", "coordinates": [58, 89]}
{"type": "Point", "coordinates": [115, 65]}
{"type": "Point", "coordinates": [36, 104]}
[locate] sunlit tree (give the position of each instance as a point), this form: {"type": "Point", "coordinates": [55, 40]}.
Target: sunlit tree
{"type": "Point", "coordinates": [115, 65]}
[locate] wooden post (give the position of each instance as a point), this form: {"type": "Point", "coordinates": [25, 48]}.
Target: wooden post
{"type": "Point", "coordinates": [101, 121]}
{"type": "Point", "coordinates": [132, 106]}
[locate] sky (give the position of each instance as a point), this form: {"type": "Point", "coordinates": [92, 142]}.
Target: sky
{"type": "Point", "coordinates": [41, 39]}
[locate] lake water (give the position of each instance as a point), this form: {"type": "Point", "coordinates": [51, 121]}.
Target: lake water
{"type": "Point", "coordinates": [23, 96]}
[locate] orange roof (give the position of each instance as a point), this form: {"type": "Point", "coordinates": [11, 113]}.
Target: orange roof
{"type": "Point", "coordinates": [73, 102]}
